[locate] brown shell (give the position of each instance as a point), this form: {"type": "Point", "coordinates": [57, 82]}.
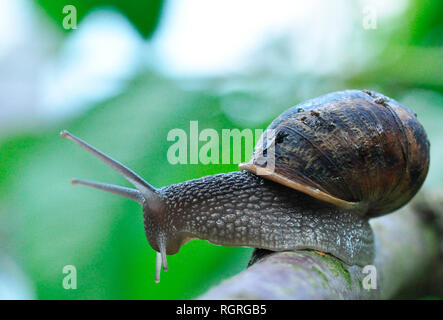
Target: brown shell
{"type": "Point", "coordinates": [355, 149]}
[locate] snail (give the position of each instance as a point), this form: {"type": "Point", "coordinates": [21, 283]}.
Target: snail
{"type": "Point", "coordinates": [337, 161]}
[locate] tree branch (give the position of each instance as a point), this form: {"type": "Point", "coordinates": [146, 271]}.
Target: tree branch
{"type": "Point", "coordinates": [406, 246]}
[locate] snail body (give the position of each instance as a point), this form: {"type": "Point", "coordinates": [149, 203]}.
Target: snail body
{"type": "Point", "coordinates": [337, 161]}
{"type": "Point", "coordinates": [243, 209]}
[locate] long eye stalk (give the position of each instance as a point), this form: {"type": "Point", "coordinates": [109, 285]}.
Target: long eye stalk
{"type": "Point", "coordinates": [148, 191]}
{"type": "Point", "coordinates": [144, 192]}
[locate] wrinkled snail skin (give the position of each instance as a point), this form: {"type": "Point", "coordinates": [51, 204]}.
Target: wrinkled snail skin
{"type": "Point", "coordinates": [242, 209]}
{"type": "Point", "coordinates": [340, 159]}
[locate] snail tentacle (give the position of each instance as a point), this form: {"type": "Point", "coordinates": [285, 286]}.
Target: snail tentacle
{"type": "Point", "coordinates": [111, 188]}
{"type": "Point", "coordinates": [148, 191]}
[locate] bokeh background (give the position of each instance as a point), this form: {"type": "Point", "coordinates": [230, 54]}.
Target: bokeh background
{"type": "Point", "coordinates": [133, 70]}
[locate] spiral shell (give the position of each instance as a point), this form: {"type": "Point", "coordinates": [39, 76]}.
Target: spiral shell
{"type": "Point", "coordinates": [355, 149]}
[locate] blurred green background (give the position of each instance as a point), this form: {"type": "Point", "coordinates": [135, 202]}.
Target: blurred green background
{"type": "Point", "coordinates": [133, 70]}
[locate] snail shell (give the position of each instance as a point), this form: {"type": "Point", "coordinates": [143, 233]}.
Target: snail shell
{"type": "Point", "coordinates": [359, 150]}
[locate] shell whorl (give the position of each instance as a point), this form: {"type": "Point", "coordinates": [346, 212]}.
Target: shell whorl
{"type": "Point", "coordinates": [356, 149]}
